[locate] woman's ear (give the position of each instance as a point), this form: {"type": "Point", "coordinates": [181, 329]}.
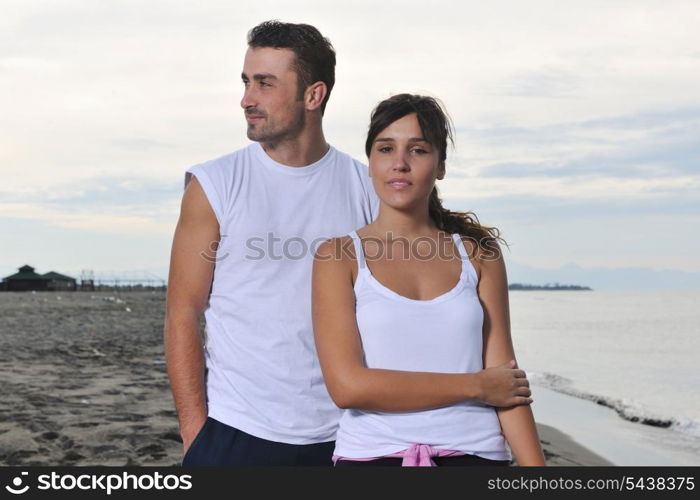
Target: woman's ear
{"type": "Point", "coordinates": [441, 171]}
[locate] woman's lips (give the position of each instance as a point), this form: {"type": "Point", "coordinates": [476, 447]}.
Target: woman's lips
{"type": "Point", "coordinates": [398, 184]}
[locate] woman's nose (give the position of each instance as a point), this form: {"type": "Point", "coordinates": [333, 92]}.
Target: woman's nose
{"type": "Point", "coordinates": [401, 162]}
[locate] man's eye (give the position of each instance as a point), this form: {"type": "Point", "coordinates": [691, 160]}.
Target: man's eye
{"type": "Point", "coordinates": [264, 84]}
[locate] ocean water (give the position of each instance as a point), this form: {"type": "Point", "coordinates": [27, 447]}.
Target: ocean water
{"type": "Point", "coordinates": [634, 351]}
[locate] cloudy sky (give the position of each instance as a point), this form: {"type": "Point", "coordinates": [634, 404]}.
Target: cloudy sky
{"type": "Point", "coordinates": [578, 123]}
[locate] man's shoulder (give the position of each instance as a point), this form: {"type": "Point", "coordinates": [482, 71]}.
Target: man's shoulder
{"type": "Point", "coordinates": [228, 160]}
{"type": "Point", "coordinates": [357, 176]}
{"type": "Point", "coordinates": [222, 170]}
{"type": "Point", "coordinates": [352, 168]}
{"type": "Point", "coordinates": [341, 157]}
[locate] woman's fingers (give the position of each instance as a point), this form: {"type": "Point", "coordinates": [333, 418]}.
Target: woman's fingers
{"type": "Point", "coordinates": [524, 391]}
{"type": "Point", "coordinates": [505, 387]}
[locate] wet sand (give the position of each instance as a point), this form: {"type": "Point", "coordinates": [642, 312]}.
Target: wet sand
{"type": "Point", "coordinates": [561, 450]}
{"type": "Point", "coordinates": [84, 383]}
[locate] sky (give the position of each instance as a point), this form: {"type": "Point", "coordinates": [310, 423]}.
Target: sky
{"type": "Point", "coordinates": [578, 123]}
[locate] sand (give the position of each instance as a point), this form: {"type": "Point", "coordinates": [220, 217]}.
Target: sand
{"type": "Point", "coordinates": [84, 383]}
{"type": "Point", "coordinates": [561, 450]}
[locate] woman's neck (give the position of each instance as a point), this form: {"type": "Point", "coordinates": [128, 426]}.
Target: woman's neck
{"type": "Point", "coordinates": [403, 224]}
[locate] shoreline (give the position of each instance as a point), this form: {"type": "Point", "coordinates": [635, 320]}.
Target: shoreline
{"type": "Point", "coordinates": [600, 430]}
{"type": "Point", "coordinates": [561, 449]}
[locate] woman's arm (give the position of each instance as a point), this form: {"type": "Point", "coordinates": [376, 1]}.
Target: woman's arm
{"type": "Point", "coordinates": [518, 423]}
{"type": "Point", "coordinates": [352, 385]}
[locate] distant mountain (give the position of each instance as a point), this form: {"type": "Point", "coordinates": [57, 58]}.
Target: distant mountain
{"type": "Point", "coordinates": [546, 286]}
{"type": "Point", "coordinates": [602, 278]}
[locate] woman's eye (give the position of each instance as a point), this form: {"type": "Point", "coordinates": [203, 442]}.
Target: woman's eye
{"type": "Point", "coordinates": [384, 149]}
{"type": "Point", "coordinates": [419, 151]}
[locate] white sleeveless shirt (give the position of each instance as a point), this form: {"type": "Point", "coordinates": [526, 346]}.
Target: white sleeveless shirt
{"type": "Point", "coordinates": [263, 375]}
{"type": "Point", "coordinates": [442, 335]}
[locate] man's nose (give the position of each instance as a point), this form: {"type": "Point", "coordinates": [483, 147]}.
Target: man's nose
{"type": "Point", "coordinates": [248, 99]}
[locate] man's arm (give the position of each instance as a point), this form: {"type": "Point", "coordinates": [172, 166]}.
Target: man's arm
{"type": "Point", "coordinates": [517, 423]}
{"type": "Point", "coordinates": [189, 283]}
{"type": "Point", "coordinates": [352, 385]}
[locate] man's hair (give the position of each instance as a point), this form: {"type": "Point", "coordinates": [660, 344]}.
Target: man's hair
{"type": "Point", "coordinates": [315, 56]}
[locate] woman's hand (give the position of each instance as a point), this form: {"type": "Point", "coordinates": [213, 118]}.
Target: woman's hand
{"type": "Point", "coordinates": [503, 386]}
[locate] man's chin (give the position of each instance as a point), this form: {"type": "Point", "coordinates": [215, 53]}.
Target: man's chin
{"type": "Point", "coordinates": [260, 136]}
{"type": "Point", "coordinates": [254, 135]}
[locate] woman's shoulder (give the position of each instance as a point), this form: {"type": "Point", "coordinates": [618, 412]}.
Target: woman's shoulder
{"type": "Point", "coordinates": [485, 254]}
{"type": "Point", "coordinates": [338, 248]}
{"type": "Point", "coordinates": [336, 256]}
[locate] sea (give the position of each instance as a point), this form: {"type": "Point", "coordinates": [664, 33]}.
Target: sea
{"type": "Point", "coordinates": [635, 352]}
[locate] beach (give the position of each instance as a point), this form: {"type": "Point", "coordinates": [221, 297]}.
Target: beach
{"type": "Point", "coordinates": [85, 383]}
{"type": "Point", "coordinates": [84, 380]}
{"type": "Point", "coordinates": [615, 370]}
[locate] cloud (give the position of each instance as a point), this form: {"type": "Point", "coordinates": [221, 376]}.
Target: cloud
{"type": "Point", "coordinates": [562, 109]}
{"type": "Point", "coordinates": [123, 205]}
{"type": "Point", "coordinates": [123, 224]}
{"type": "Point", "coordinates": [526, 207]}
{"type": "Point", "coordinates": [546, 82]}
{"type": "Point", "coordinates": [29, 65]}
{"type": "Point", "coordinates": [139, 144]}
{"type": "Point", "coordinates": [644, 155]}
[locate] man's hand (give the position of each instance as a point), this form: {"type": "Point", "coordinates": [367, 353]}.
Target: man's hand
{"type": "Point", "coordinates": [189, 433]}
{"type": "Point", "coordinates": [504, 386]}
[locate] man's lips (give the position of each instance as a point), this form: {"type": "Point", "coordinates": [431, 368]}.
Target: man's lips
{"type": "Point", "coordinates": [252, 114]}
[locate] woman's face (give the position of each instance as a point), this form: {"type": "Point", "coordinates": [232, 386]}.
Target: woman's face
{"type": "Point", "coordinates": [403, 166]}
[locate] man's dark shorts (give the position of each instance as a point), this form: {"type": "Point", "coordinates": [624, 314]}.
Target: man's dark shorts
{"type": "Point", "coordinates": [218, 444]}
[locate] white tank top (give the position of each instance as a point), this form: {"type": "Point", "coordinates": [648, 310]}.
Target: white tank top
{"type": "Point", "coordinates": [443, 335]}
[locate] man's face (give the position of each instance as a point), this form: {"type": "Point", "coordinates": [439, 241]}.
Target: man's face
{"type": "Point", "coordinates": [271, 100]}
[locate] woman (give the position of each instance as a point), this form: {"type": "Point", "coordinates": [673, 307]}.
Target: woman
{"type": "Point", "coordinates": [424, 368]}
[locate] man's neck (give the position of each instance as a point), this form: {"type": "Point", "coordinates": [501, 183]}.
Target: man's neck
{"type": "Point", "coordinates": [301, 151]}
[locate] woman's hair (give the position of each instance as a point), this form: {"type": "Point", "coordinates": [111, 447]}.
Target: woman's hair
{"type": "Point", "coordinates": [437, 130]}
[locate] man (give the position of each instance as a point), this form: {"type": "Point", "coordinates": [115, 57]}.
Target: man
{"type": "Point", "coordinates": [242, 255]}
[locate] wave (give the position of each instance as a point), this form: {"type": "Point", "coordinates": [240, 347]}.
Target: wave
{"type": "Point", "coordinates": [627, 409]}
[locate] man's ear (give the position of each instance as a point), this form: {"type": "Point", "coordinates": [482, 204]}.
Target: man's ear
{"type": "Point", "coordinates": [314, 95]}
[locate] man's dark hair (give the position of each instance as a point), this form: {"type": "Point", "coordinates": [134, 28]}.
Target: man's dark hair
{"type": "Point", "coordinates": [315, 57]}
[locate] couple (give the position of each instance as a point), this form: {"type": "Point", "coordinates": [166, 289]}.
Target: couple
{"type": "Point", "coordinates": [287, 247]}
